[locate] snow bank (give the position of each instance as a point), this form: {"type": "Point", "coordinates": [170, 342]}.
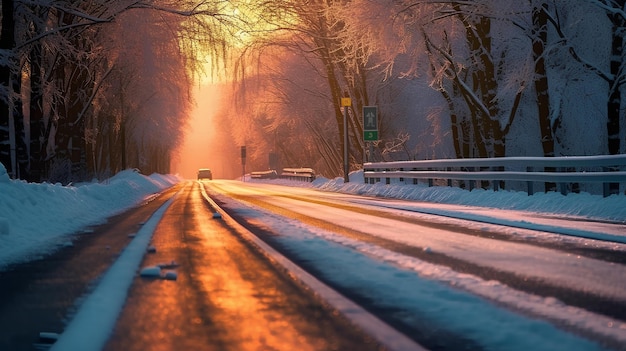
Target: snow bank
{"type": "Point", "coordinates": [36, 218]}
{"type": "Point", "coordinates": [581, 205]}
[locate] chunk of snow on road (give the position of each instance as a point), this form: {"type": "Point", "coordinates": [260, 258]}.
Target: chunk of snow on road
{"type": "Point", "coordinates": [168, 265]}
{"type": "Point", "coordinates": [170, 275]}
{"type": "Point", "coordinates": [150, 272]}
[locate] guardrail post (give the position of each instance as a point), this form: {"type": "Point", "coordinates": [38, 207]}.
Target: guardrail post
{"type": "Point", "coordinates": [415, 180]}
{"type": "Point", "coordinates": [529, 184]}
{"type": "Point", "coordinates": [606, 187]}
{"type": "Point", "coordinates": [430, 180]}
{"type": "Point", "coordinates": [495, 183]}
{"type": "Point", "coordinates": [563, 186]}
{"type": "Point", "coordinates": [387, 180]}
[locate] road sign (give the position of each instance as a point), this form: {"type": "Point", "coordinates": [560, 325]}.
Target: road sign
{"type": "Point", "coordinates": [370, 135]}
{"type": "Point", "coordinates": [370, 123]}
{"type": "Point", "coordinates": [346, 102]}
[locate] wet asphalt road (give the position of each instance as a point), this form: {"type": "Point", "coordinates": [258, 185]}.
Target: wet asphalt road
{"type": "Point", "coordinates": [226, 297]}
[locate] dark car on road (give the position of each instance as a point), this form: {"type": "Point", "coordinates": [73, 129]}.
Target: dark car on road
{"type": "Point", "coordinates": [205, 173]}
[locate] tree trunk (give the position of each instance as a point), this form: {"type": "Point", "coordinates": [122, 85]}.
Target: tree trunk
{"type": "Point", "coordinates": [21, 152]}
{"type": "Point", "coordinates": [7, 43]}
{"type": "Point", "coordinates": [37, 124]}
{"type": "Point", "coordinates": [76, 86]}
{"type": "Point", "coordinates": [540, 38]}
{"type": "Point", "coordinates": [615, 101]}
{"type": "Point", "coordinates": [489, 137]}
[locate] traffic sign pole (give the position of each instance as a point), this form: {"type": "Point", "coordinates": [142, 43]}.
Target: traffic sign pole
{"type": "Point", "coordinates": [345, 103]}
{"type": "Point", "coordinates": [243, 162]}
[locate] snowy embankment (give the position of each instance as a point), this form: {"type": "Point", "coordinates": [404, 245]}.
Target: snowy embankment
{"type": "Point", "coordinates": [35, 219]}
{"type": "Point", "coordinates": [612, 208]}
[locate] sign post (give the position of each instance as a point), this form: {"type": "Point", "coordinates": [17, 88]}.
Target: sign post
{"type": "Point", "coordinates": [370, 126]}
{"type": "Point", "coordinates": [345, 103]}
{"type": "Point", "coordinates": [243, 162]}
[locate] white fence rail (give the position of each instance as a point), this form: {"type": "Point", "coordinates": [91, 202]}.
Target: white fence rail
{"type": "Point", "coordinates": [609, 170]}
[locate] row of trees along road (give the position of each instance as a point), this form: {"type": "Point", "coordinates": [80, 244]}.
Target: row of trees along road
{"type": "Point", "coordinates": [483, 78]}
{"type": "Point", "coordinates": [531, 77]}
{"type": "Point", "coordinates": [92, 87]}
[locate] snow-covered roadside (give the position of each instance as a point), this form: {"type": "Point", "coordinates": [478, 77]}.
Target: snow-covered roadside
{"type": "Point", "coordinates": [453, 300]}
{"type": "Point", "coordinates": [35, 219]}
{"type": "Point", "coordinates": [583, 205]}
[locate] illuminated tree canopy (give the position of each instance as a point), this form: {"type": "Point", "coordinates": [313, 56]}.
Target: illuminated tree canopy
{"type": "Point", "coordinates": [92, 87]}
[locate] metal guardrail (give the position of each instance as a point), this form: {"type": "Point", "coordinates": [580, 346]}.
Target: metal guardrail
{"type": "Point", "coordinates": [300, 174]}
{"type": "Point", "coordinates": [271, 174]}
{"type": "Point", "coordinates": [604, 169]}
{"type": "Point", "coordinates": [297, 174]}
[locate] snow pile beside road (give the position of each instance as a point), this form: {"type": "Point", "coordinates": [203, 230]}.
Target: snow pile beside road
{"type": "Point", "coordinates": [611, 208]}
{"type": "Point", "coordinates": [4, 176]}
{"type": "Point", "coordinates": [35, 219]}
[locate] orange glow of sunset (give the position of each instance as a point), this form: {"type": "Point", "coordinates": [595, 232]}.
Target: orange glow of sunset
{"type": "Point", "coordinates": [199, 149]}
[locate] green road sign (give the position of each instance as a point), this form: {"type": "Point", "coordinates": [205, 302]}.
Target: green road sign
{"type": "Point", "coordinates": [370, 123]}
{"type": "Point", "coordinates": [370, 135]}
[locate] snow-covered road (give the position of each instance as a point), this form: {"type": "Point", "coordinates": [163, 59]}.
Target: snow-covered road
{"type": "Point", "coordinates": [548, 271]}
{"type": "Point", "coordinates": [443, 268]}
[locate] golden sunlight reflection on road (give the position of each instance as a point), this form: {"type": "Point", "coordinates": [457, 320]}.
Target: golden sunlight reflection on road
{"type": "Point", "coordinates": [226, 297]}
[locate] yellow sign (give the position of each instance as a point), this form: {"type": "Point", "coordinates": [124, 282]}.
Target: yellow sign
{"type": "Point", "coordinates": [346, 102]}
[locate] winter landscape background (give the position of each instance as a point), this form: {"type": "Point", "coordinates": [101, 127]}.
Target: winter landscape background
{"type": "Point", "coordinates": [94, 87]}
{"type": "Point", "coordinates": [36, 219]}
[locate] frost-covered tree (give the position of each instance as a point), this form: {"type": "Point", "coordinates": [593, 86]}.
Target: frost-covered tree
{"type": "Point", "coordinates": [11, 119]}
{"type": "Point", "coordinates": [315, 34]}
{"type": "Point", "coordinates": [616, 12]}
{"type": "Point", "coordinates": [481, 58]}
{"type": "Point", "coordinates": [68, 68]}
{"type": "Point", "coordinates": [287, 111]}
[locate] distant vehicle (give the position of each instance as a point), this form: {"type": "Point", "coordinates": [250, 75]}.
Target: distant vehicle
{"type": "Point", "coordinates": [205, 173]}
